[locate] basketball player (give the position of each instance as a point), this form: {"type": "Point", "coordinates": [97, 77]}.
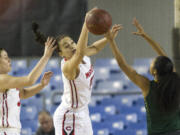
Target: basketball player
{"type": "Point", "coordinates": [12, 89]}
{"type": "Point", "coordinates": [72, 116]}
{"type": "Point", "coordinates": [162, 94]}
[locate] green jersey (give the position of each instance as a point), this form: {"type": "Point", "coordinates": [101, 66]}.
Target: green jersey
{"type": "Point", "coordinates": [157, 121]}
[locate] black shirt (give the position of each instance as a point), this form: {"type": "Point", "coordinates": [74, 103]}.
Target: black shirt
{"type": "Point", "coordinates": [41, 132]}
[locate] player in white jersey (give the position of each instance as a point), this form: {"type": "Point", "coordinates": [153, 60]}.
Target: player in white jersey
{"type": "Point", "coordinates": [12, 89]}
{"type": "Point", "coordinates": [72, 116]}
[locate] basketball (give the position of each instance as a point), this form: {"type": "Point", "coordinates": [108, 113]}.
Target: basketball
{"type": "Point", "coordinates": [98, 21]}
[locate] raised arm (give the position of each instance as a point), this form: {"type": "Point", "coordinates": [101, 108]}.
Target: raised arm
{"type": "Point", "coordinates": [7, 81]}
{"type": "Point", "coordinates": [98, 45]}
{"type": "Point", "coordinates": [71, 67]}
{"type": "Point", "coordinates": [140, 32]}
{"type": "Point", "coordinates": [138, 79]}
{"type": "Point", "coordinates": [31, 91]}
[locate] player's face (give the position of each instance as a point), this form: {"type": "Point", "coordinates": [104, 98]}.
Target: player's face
{"type": "Point", "coordinates": [46, 123]}
{"type": "Point", "coordinates": [67, 47]}
{"type": "Point", "coordinates": [5, 62]}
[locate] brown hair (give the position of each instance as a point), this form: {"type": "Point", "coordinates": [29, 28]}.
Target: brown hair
{"type": "Point", "coordinates": [41, 38]}
{"type": "Point", "coordinates": [58, 39]}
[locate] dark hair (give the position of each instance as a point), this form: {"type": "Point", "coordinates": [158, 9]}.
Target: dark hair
{"type": "Point", "coordinates": [168, 89]}
{"type": "Point", "coordinates": [59, 38]}
{"type": "Point", "coordinates": [39, 36]}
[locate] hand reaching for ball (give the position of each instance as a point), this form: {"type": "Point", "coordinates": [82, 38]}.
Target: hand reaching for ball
{"type": "Point", "coordinates": [90, 11]}
{"type": "Point", "coordinates": [140, 30]}
{"type": "Point", "coordinates": [98, 21]}
{"type": "Point", "coordinates": [111, 34]}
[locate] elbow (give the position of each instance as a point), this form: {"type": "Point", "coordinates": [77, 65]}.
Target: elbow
{"type": "Point", "coordinates": [23, 94]}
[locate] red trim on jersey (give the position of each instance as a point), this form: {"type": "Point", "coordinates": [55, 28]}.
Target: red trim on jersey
{"type": "Point", "coordinates": [76, 94]}
{"type": "Point", "coordinates": [73, 125]}
{"type": "Point", "coordinates": [63, 131]}
{"type": "Point", "coordinates": [88, 74]}
{"type": "Point", "coordinates": [73, 130]}
{"type": "Point", "coordinates": [7, 110]}
{"type": "Point", "coordinates": [72, 95]}
{"type": "Point", "coordinates": [3, 111]}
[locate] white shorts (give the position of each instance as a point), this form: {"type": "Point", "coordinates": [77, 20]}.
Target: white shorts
{"type": "Point", "coordinates": [69, 121]}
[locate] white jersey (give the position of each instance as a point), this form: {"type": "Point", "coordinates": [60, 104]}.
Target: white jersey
{"type": "Point", "coordinates": [77, 93]}
{"type": "Point", "coordinates": [10, 111]}
{"type": "Point", "coordinates": [72, 116]}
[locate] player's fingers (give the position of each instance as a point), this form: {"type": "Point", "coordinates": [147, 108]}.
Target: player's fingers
{"type": "Point", "coordinates": [48, 74]}
{"type": "Point", "coordinates": [54, 47]}
{"type": "Point", "coordinates": [117, 28]}
{"type": "Point", "coordinates": [51, 40]}
{"type": "Point", "coordinates": [47, 41]}
{"type": "Point", "coordinates": [136, 33]}
{"type": "Point", "coordinates": [52, 43]}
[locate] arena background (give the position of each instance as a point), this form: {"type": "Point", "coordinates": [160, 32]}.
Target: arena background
{"type": "Point", "coordinates": [113, 93]}
{"type": "Point", "coordinates": [66, 16]}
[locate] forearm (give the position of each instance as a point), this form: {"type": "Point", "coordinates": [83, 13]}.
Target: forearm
{"type": "Point", "coordinates": [70, 68]}
{"type": "Point", "coordinates": [125, 67]}
{"type": "Point", "coordinates": [31, 91]}
{"type": "Point", "coordinates": [154, 45]}
{"type": "Point", "coordinates": [83, 39]}
{"type": "Point", "coordinates": [37, 70]}
{"type": "Point", "coordinates": [100, 44]}
{"type": "Point", "coordinates": [117, 54]}
{"type": "Point", "coordinates": [136, 78]}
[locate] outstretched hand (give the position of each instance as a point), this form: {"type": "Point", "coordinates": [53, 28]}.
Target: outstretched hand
{"type": "Point", "coordinates": [50, 46]}
{"type": "Point", "coordinates": [89, 12]}
{"type": "Point", "coordinates": [46, 78]}
{"type": "Point", "coordinates": [140, 30]}
{"type": "Point", "coordinates": [111, 34]}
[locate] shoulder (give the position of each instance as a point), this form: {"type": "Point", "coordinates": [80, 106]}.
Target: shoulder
{"type": "Point", "coordinates": [87, 59]}
{"type": "Point", "coordinates": [13, 90]}
{"type": "Point", "coordinates": [62, 63]}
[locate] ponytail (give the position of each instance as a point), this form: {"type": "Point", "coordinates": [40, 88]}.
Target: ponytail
{"type": "Point", "coordinates": [39, 37]}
